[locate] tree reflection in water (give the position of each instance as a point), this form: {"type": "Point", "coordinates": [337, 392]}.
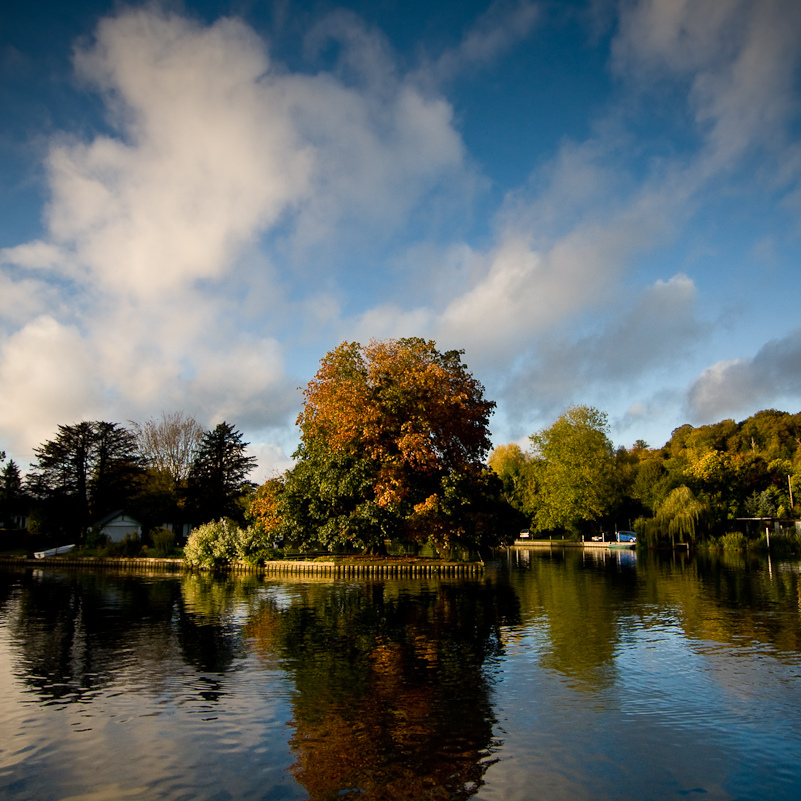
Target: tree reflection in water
{"type": "Point", "coordinates": [393, 685]}
{"type": "Point", "coordinates": [77, 631]}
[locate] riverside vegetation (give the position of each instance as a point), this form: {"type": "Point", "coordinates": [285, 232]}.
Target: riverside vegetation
{"type": "Point", "coordinates": [395, 448]}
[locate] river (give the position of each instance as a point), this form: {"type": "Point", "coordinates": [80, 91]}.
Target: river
{"type": "Point", "coordinates": [563, 674]}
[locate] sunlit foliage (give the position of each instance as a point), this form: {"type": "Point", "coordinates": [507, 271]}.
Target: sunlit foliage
{"type": "Point", "coordinates": [681, 511]}
{"type": "Point", "coordinates": [574, 470]}
{"type": "Point", "coordinates": [393, 438]}
{"type": "Point", "coordinates": [222, 543]}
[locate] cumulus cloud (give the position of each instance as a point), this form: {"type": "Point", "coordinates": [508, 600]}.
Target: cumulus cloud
{"type": "Point", "coordinates": [738, 56]}
{"type": "Point", "coordinates": [141, 292]}
{"type": "Point", "coordinates": [46, 376]}
{"type": "Point", "coordinates": [205, 157]}
{"type": "Point", "coordinates": [539, 277]}
{"type": "Point", "coordinates": [641, 337]}
{"type": "Point", "coordinates": [742, 385]}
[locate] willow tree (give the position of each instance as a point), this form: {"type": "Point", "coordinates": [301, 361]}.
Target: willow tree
{"type": "Point", "coordinates": [680, 511]}
{"type": "Point", "coordinates": [393, 440]}
{"type": "Point", "coordinates": [574, 469]}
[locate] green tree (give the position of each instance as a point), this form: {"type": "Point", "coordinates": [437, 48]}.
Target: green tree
{"type": "Point", "coordinates": [13, 501]}
{"type": "Point", "coordinates": [87, 471]}
{"type": "Point", "coordinates": [681, 512]}
{"type": "Point", "coordinates": [508, 462]}
{"type": "Point", "coordinates": [218, 480]}
{"type": "Point", "coordinates": [393, 440]}
{"type": "Point", "coordinates": [574, 461]}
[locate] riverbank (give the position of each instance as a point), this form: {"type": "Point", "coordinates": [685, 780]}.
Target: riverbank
{"type": "Point", "coordinates": [345, 567]}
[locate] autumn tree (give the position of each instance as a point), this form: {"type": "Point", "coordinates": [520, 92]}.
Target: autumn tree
{"type": "Point", "coordinates": [517, 474]}
{"type": "Point", "coordinates": [88, 470]}
{"type": "Point", "coordinates": [264, 510]}
{"type": "Point", "coordinates": [218, 477]}
{"type": "Point", "coordinates": [574, 462]}
{"type": "Point", "coordinates": [393, 440]}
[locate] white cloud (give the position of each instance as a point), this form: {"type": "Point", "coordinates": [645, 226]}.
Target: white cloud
{"type": "Point", "coordinates": [641, 337]}
{"type": "Point", "coordinates": [34, 255]}
{"type": "Point", "coordinates": [738, 56]}
{"type": "Point", "coordinates": [23, 299]}
{"type": "Point", "coordinates": [377, 159]}
{"type": "Point", "coordinates": [271, 460]}
{"type": "Point", "coordinates": [151, 258]}
{"type": "Point", "coordinates": [206, 157]}
{"type": "Point", "coordinates": [46, 372]}
{"type": "Point", "coordinates": [741, 386]}
{"type": "Point", "coordinates": [527, 291]}
{"type": "Point", "coordinates": [502, 26]}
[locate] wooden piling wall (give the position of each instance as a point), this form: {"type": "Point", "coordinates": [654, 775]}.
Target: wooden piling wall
{"type": "Point", "coordinates": [290, 567]}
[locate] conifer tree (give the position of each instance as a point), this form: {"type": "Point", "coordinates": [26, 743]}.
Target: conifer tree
{"type": "Point", "coordinates": [219, 475]}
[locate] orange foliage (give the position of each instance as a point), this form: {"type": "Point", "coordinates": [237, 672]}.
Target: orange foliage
{"type": "Point", "coordinates": [264, 510]}
{"type": "Point", "coordinates": [402, 404]}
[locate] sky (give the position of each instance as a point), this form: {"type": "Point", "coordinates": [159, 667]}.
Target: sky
{"type": "Point", "coordinates": [599, 201]}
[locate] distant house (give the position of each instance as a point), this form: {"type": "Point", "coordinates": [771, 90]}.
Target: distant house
{"type": "Point", "coordinates": [183, 530]}
{"type": "Point", "coordinates": [119, 524]}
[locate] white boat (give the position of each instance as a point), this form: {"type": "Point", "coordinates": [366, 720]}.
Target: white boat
{"type": "Point", "coordinates": [53, 551]}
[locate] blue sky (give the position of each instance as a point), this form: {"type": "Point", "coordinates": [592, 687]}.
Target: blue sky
{"type": "Point", "coordinates": [599, 201]}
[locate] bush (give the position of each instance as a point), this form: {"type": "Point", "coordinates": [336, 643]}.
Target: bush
{"type": "Point", "coordinates": [163, 542]}
{"type": "Point", "coordinates": [222, 542]}
{"type": "Point", "coordinates": [253, 546]}
{"type": "Point", "coordinates": [734, 541]}
{"type": "Point", "coordinates": [130, 545]}
{"type": "Point", "coordinates": [95, 539]}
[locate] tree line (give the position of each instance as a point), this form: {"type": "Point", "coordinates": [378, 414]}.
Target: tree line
{"type": "Point", "coordinates": [705, 482]}
{"type": "Point", "coordinates": [395, 447]}
{"type": "Point", "coordinates": [394, 437]}
{"type": "Point", "coordinates": [163, 471]}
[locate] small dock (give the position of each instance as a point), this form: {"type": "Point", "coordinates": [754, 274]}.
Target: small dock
{"type": "Point", "coordinates": [561, 544]}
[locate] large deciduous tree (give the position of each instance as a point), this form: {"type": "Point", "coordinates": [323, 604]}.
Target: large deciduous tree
{"type": "Point", "coordinates": [87, 471]}
{"type": "Point", "coordinates": [393, 440]}
{"type": "Point", "coordinates": [169, 445]}
{"type": "Point", "coordinates": [574, 461]}
{"type": "Point", "coordinates": [219, 475]}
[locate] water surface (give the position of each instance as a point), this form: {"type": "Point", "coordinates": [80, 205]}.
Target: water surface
{"type": "Point", "coordinates": [556, 675]}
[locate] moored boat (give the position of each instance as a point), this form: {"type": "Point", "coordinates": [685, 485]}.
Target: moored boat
{"type": "Point", "coordinates": [53, 551]}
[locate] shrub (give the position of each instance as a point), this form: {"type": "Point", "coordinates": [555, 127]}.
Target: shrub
{"type": "Point", "coordinates": [163, 542]}
{"type": "Point", "coordinates": [96, 539]}
{"type": "Point", "coordinates": [252, 544]}
{"type": "Point", "coordinates": [130, 545]}
{"type": "Point", "coordinates": [222, 542]}
{"type": "Point", "coordinates": [210, 545]}
{"type": "Point", "coordinates": [734, 541]}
